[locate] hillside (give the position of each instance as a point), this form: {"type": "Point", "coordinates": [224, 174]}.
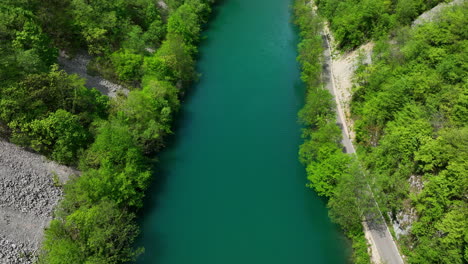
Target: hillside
{"type": "Point", "coordinates": [409, 113]}
{"type": "Point", "coordinates": [403, 104]}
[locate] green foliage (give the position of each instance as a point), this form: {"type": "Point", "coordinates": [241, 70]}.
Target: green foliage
{"type": "Point", "coordinates": [94, 217]}
{"type": "Point", "coordinates": [32, 39]}
{"type": "Point", "coordinates": [355, 21]}
{"type": "Point", "coordinates": [327, 170]}
{"type": "Point", "coordinates": [172, 62]}
{"type": "Point", "coordinates": [319, 107]}
{"type": "Point", "coordinates": [155, 33]}
{"type": "Point", "coordinates": [54, 16]}
{"type": "Point", "coordinates": [59, 136]}
{"type": "Point", "coordinates": [101, 233]}
{"type": "Point", "coordinates": [330, 172]}
{"type": "Point", "coordinates": [411, 122]}
{"type": "Point", "coordinates": [105, 25]}
{"type": "Point", "coordinates": [310, 47]}
{"type": "Point", "coordinates": [351, 198]}
{"type": "Point", "coordinates": [360, 248]}
{"type": "Point", "coordinates": [149, 112]}
{"type": "Point", "coordinates": [95, 222]}
{"type": "Point", "coordinates": [50, 112]}
{"type": "Point", "coordinates": [113, 142]}
{"type": "Point", "coordinates": [187, 19]}
{"type": "Point", "coordinates": [62, 248]}
{"type": "Point", "coordinates": [127, 65]}
{"type": "Point", "coordinates": [24, 48]}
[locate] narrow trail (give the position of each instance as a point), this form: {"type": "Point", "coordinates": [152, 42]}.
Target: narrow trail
{"type": "Point", "coordinates": [384, 249]}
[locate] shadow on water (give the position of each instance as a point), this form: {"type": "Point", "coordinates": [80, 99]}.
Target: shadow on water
{"type": "Point", "coordinates": [160, 173]}
{"type": "Point", "coordinates": [181, 119]}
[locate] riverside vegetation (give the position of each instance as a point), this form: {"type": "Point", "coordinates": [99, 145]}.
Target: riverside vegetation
{"type": "Point", "coordinates": [332, 173]}
{"type": "Point", "coordinates": [51, 112]}
{"type": "Point", "coordinates": [410, 110]}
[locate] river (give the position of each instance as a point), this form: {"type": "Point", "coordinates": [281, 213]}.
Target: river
{"type": "Point", "coordinates": [229, 188]}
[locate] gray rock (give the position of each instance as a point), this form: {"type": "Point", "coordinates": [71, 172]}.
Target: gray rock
{"type": "Point", "coordinates": [78, 65]}
{"type": "Point", "coordinates": [27, 197]}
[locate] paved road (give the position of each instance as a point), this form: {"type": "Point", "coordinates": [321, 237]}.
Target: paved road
{"type": "Point", "coordinates": [382, 243]}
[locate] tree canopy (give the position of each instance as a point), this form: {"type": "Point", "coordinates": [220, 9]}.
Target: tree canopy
{"type": "Point", "coordinates": [411, 123]}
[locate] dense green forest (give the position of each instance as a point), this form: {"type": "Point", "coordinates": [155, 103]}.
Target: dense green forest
{"type": "Point", "coordinates": [410, 109]}
{"type": "Point", "coordinates": [48, 111]}
{"type": "Point", "coordinates": [411, 114]}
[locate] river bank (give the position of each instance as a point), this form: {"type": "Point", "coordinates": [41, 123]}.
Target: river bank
{"type": "Point", "coordinates": [382, 247]}
{"type": "Point", "coordinates": [31, 185]}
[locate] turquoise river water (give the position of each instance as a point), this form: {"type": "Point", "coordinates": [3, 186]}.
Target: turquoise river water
{"type": "Point", "coordinates": [229, 188]}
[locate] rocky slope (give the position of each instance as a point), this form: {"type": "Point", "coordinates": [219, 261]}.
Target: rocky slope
{"type": "Point", "coordinates": [29, 190]}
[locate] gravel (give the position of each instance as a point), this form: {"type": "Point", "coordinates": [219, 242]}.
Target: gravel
{"type": "Point", "coordinates": [29, 190]}
{"type": "Point", "coordinates": [30, 185]}
{"type": "Point", "coordinates": [15, 253]}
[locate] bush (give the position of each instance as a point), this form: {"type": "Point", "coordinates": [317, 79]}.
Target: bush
{"type": "Point", "coordinates": [127, 65]}
{"type": "Point", "coordinates": [59, 136]}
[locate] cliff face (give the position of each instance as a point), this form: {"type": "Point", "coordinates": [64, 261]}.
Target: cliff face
{"type": "Point", "coordinates": [432, 14]}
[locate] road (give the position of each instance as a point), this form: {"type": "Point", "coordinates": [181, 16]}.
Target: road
{"type": "Point", "coordinates": [384, 249]}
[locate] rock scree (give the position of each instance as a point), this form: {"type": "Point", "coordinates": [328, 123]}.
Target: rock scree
{"type": "Point", "coordinates": [29, 191]}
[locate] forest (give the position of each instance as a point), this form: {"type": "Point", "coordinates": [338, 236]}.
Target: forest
{"type": "Point", "coordinates": [416, 90]}
{"type": "Point", "coordinates": [144, 45]}
{"type": "Point", "coordinates": [410, 111]}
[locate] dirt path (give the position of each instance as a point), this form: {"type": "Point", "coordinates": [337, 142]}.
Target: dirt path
{"type": "Point", "coordinates": [342, 67]}
{"type": "Point", "coordinates": [337, 77]}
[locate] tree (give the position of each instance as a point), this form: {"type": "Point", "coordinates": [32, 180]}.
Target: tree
{"type": "Point", "coordinates": [325, 173]}
{"type": "Point", "coordinates": [59, 136]}
{"type": "Point", "coordinates": [101, 233]}
{"type": "Point", "coordinates": [350, 199]}
{"type": "Point", "coordinates": [31, 39]}
{"type": "Point", "coordinates": [127, 65]}
{"type": "Point", "coordinates": [37, 95]}
{"type": "Point", "coordinates": [149, 113]}
{"type": "Point", "coordinates": [185, 21]}
{"type": "Point", "coordinates": [172, 62]}
{"type": "Point", "coordinates": [59, 247]}
{"type": "Point", "coordinates": [113, 142]}
{"type": "Point", "coordinates": [410, 124]}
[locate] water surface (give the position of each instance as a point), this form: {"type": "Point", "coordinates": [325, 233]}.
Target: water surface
{"type": "Point", "coordinates": [229, 188]}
